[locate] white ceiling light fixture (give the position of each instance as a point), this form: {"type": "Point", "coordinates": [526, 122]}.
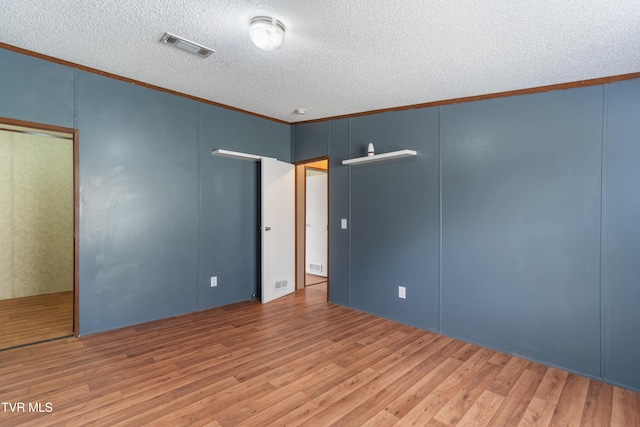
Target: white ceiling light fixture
{"type": "Point", "coordinates": [186, 45]}
{"type": "Point", "coordinates": [267, 33]}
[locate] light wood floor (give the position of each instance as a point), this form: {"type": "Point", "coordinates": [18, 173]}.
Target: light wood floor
{"type": "Point", "coordinates": [295, 361]}
{"type": "Point", "coordinates": [312, 279]}
{"type": "Point", "coordinates": [35, 318]}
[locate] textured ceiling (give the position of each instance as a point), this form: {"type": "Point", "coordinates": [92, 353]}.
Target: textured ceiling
{"type": "Point", "coordinates": [339, 57]}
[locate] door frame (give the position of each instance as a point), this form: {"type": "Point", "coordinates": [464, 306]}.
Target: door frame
{"type": "Point", "coordinates": [301, 238]}
{"type": "Point", "coordinates": [75, 133]}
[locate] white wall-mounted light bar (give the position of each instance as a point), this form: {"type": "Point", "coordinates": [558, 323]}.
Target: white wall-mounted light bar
{"type": "Point", "coordinates": [237, 155]}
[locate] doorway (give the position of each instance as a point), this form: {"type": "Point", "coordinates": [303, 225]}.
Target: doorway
{"type": "Point", "coordinates": [38, 248]}
{"type": "Point", "coordinates": [312, 225]}
{"type": "Point", "coordinates": [277, 223]}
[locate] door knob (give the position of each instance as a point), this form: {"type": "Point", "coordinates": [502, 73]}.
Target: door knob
{"type": "Point", "coordinates": [267, 228]}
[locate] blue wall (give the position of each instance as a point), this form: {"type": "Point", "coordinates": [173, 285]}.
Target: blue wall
{"type": "Point", "coordinates": [36, 91]}
{"type": "Point", "coordinates": [139, 218]}
{"type": "Point", "coordinates": [229, 201]}
{"type": "Point", "coordinates": [497, 227]}
{"type": "Point", "coordinates": [521, 225]}
{"type": "Point", "coordinates": [158, 214]}
{"type": "Point", "coordinates": [395, 217]}
{"type": "Point", "coordinates": [339, 249]}
{"type": "Point", "coordinates": [514, 227]}
{"type": "Point", "coordinates": [621, 235]}
{"type": "Point", "coordinates": [313, 141]}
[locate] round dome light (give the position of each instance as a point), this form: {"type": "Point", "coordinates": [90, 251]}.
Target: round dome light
{"type": "Point", "coordinates": [267, 33]}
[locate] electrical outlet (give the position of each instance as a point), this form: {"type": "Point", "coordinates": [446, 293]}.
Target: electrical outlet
{"type": "Point", "coordinates": [402, 292]}
{"type": "Point", "coordinates": [214, 281]}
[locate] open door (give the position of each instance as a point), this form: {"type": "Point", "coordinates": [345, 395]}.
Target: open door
{"type": "Point", "coordinates": [277, 229]}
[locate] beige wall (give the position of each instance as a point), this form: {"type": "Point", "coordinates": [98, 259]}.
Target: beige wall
{"type": "Point", "coordinates": [6, 287]}
{"type": "Point", "coordinates": [36, 215]}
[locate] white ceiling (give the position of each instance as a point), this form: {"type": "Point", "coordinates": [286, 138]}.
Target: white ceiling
{"type": "Point", "coordinates": [339, 57]}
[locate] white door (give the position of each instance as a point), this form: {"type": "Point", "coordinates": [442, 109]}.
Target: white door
{"type": "Point", "coordinates": [278, 229]}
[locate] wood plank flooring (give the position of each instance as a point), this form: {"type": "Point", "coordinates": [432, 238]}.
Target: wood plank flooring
{"type": "Point", "coordinates": [35, 318]}
{"type": "Point", "coordinates": [295, 361]}
{"type": "Point", "coordinates": [312, 279]}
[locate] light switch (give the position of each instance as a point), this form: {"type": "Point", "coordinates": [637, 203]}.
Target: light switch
{"type": "Point", "coordinates": [343, 223]}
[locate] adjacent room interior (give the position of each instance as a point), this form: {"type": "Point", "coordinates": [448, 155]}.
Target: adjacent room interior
{"type": "Point", "coordinates": [312, 223]}
{"type": "Point", "coordinates": [36, 247]}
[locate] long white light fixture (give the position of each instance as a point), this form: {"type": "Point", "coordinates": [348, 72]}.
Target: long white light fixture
{"type": "Point", "coordinates": [267, 33]}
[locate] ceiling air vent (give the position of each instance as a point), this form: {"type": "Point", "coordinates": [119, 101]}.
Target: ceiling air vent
{"type": "Point", "coordinates": [186, 45]}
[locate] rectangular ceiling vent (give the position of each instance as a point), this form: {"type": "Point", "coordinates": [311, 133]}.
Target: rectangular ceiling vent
{"type": "Point", "coordinates": [186, 45]}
